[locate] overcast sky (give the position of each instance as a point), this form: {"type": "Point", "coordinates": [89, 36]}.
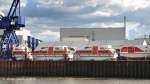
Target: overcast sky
{"type": "Point", "coordinates": [44, 18]}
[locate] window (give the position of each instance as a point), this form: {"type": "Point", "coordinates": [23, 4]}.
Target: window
{"type": "Point", "coordinates": [44, 47]}
{"type": "Point", "coordinates": [87, 47]}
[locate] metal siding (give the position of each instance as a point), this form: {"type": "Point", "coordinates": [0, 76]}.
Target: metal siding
{"type": "Point", "coordinates": [99, 33]}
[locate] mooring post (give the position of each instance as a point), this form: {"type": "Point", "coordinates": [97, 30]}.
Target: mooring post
{"type": "Point", "coordinates": [118, 52]}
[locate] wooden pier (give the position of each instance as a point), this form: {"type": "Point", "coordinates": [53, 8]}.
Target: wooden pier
{"type": "Point", "coordinates": [117, 69]}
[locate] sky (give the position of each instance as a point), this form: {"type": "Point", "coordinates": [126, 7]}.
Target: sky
{"type": "Point", "coordinates": [44, 18]}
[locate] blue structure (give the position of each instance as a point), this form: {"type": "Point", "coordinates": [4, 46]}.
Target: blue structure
{"type": "Point", "coordinates": [33, 42]}
{"type": "Point", "coordinates": [13, 21]}
{"type": "Point", "coordinates": [29, 41]}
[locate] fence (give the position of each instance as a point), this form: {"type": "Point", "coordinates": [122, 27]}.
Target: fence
{"type": "Point", "coordinates": [125, 69]}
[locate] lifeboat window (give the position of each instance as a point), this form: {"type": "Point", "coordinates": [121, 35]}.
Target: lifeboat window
{"type": "Point", "coordinates": [44, 47]}
{"type": "Point", "coordinates": [131, 49]}
{"type": "Point", "coordinates": [102, 48]}
{"type": "Point", "coordinates": [17, 49]}
{"type": "Point", "coordinates": [58, 48]}
{"type": "Point", "coordinates": [87, 47]}
{"type": "Point", "coordinates": [72, 49]}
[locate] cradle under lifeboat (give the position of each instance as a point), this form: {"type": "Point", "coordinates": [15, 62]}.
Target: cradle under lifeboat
{"type": "Point", "coordinates": [94, 53]}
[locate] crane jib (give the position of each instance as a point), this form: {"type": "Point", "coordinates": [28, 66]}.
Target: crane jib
{"type": "Point", "coordinates": [13, 8]}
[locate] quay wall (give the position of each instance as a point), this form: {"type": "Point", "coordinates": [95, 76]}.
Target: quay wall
{"type": "Point", "coordinates": [118, 69]}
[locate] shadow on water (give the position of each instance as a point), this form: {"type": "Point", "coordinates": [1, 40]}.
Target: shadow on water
{"type": "Point", "coordinates": [69, 80]}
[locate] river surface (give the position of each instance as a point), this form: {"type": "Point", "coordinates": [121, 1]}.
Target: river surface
{"type": "Point", "coordinates": [62, 80]}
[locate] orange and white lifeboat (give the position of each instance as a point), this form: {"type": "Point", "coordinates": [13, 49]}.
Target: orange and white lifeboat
{"type": "Point", "coordinates": [94, 53]}
{"type": "Point", "coordinates": [135, 51]}
{"type": "Point", "coordinates": [50, 53]}
{"type": "Point", "coordinates": [22, 53]}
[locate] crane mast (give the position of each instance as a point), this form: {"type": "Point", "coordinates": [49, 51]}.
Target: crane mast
{"type": "Point", "coordinates": [13, 21]}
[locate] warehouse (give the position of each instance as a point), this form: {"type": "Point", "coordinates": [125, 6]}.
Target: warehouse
{"type": "Point", "coordinates": [93, 34]}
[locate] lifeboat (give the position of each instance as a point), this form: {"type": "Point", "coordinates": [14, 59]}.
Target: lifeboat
{"type": "Point", "coordinates": [94, 53]}
{"type": "Point", "coordinates": [135, 52]}
{"type": "Point", "coordinates": [22, 53]}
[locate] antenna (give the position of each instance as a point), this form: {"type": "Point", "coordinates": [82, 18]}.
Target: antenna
{"type": "Point", "coordinates": [145, 36]}
{"type": "Point", "coordinates": [125, 22]}
{"type": "Point", "coordinates": [125, 26]}
{"type": "Point", "coordinates": [93, 36]}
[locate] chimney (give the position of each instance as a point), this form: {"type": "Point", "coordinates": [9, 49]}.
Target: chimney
{"type": "Point", "coordinates": [125, 25]}
{"type": "Point", "coordinates": [125, 22]}
{"type": "Point", "coordinates": [93, 36]}
{"type": "Point", "coordinates": [145, 36]}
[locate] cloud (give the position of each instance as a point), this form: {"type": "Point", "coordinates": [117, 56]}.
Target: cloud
{"type": "Point", "coordinates": [51, 15]}
{"type": "Point", "coordinates": [2, 13]}
{"type": "Point", "coordinates": [49, 35]}
{"type": "Point", "coordinates": [83, 14]}
{"type": "Point", "coordinates": [6, 4]}
{"type": "Point", "coordinates": [131, 4]}
{"type": "Point", "coordinates": [105, 13]}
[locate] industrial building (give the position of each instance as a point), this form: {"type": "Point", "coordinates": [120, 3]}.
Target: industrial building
{"type": "Point", "coordinates": [92, 34]}
{"type": "Point", "coordinates": [115, 37]}
{"type": "Point", "coordinates": [25, 38]}
{"type": "Point", "coordinates": [22, 34]}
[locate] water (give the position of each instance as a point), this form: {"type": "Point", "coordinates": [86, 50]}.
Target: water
{"type": "Point", "coordinates": [71, 81]}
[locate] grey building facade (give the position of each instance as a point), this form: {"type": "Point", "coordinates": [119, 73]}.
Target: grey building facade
{"type": "Point", "coordinates": [94, 34]}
